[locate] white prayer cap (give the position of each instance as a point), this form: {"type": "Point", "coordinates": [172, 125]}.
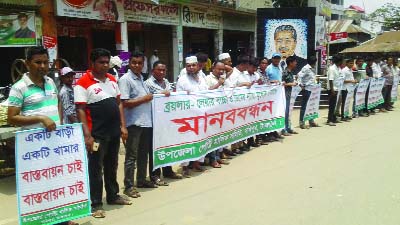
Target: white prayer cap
{"type": "Point", "coordinates": [115, 61]}
{"type": "Point", "coordinates": [191, 59]}
{"type": "Point", "coordinates": [223, 56]}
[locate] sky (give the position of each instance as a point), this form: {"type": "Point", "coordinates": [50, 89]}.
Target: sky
{"type": "Point", "coordinates": [370, 5]}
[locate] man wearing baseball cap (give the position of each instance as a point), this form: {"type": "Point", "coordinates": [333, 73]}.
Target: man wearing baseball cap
{"type": "Point", "coordinates": [67, 96]}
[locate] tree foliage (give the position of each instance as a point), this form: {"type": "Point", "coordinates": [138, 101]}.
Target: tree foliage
{"type": "Point", "coordinates": [289, 3]}
{"type": "Point", "coordinates": [389, 14]}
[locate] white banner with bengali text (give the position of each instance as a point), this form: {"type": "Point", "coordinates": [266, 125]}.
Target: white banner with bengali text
{"type": "Point", "coordinates": [395, 88]}
{"type": "Point", "coordinates": [349, 99]}
{"type": "Point", "coordinates": [312, 108]}
{"type": "Point", "coordinates": [361, 94]}
{"type": "Point", "coordinates": [375, 97]}
{"type": "Point", "coordinates": [187, 127]}
{"type": "Point", "coordinates": [52, 175]}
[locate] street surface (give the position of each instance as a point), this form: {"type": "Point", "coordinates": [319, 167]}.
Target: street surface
{"type": "Point", "coordinates": [343, 175]}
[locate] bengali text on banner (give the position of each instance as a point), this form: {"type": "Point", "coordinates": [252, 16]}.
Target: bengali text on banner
{"type": "Point", "coordinates": [187, 127]}
{"type": "Point", "coordinates": [52, 175]}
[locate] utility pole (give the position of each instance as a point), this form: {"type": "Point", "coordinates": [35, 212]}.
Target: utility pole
{"type": "Point", "coordinates": [328, 37]}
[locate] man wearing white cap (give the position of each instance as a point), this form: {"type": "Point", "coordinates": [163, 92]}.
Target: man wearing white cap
{"type": "Point", "coordinates": [67, 96]}
{"type": "Point", "coordinates": [191, 81]}
{"type": "Point", "coordinates": [115, 65]}
{"type": "Point", "coordinates": [201, 63]}
{"type": "Point", "coordinates": [226, 59]}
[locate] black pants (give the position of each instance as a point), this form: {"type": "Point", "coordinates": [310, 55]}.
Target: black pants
{"type": "Point", "coordinates": [366, 99]}
{"type": "Point", "coordinates": [305, 97]}
{"type": "Point", "coordinates": [387, 96]}
{"type": "Point", "coordinates": [344, 96]}
{"type": "Point", "coordinates": [166, 171]}
{"type": "Point", "coordinates": [332, 106]}
{"type": "Point", "coordinates": [105, 159]}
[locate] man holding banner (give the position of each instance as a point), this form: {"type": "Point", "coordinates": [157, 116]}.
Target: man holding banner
{"type": "Point", "coordinates": [348, 86]}
{"type": "Point", "coordinates": [192, 81]}
{"type": "Point", "coordinates": [387, 72]}
{"type": "Point", "coordinates": [333, 87]}
{"type": "Point", "coordinates": [25, 93]}
{"type": "Point", "coordinates": [288, 83]}
{"type": "Point", "coordinates": [100, 111]}
{"type": "Point", "coordinates": [307, 79]}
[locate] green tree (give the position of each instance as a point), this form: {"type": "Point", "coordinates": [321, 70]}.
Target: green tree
{"type": "Point", "coordinates": [289, 3]}
{"type": "Point", "coordinates": [389, 14]}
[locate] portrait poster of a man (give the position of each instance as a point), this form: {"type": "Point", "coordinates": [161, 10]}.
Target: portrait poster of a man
{"type": "Point", "coordinates": [288, 37]}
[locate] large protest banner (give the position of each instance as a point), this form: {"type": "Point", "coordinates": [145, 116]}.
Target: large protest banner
{"type": "Point", "coordinates": [312, 108]}
{"type": "Point", "coordinates": [395, 88]}
{"type": "Point", "coordinates": [187, 127]}
{"type": "Point", "coordinates": [349, 99]}
{"type": "Point", "coordinates": [375, 97]}
{"type": "Point", "coordinates": [360, 94]}
{"type": "Point", "coordinates": [52, 175]}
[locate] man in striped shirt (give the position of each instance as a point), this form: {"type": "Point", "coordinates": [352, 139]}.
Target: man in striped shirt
{"type": "Point", "coordinates": [33, 100]}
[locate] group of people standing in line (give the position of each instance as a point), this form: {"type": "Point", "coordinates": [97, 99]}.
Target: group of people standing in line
{"type": "Point", "coordinates": [111, 109]}
{"type": "Point", "coordinates": [348, 72]}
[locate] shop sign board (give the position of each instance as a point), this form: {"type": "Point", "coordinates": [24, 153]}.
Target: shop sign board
{"type": "Point", "coordinates": [108, 10]}
{"type": "Point", "coordinates": [193, 16]}
{"type": "Point", "coordinates": [141, 11]}
{"type": "Point", "coordinates": [239, 22]}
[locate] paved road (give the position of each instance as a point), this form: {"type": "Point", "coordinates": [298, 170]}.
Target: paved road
{"type": "Point", "coordinates": [344, 175]}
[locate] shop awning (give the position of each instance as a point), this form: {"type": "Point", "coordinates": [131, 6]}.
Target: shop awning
{"type": "Point", "coordinates": [388, 42]}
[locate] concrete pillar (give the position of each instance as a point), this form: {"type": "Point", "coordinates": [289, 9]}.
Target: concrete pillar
{"type": "Point", "coordinates": [177, 50]}
{"type": "Point", "coordinates": [218, 42]}
{"type": "Point", "coordinates": [121, 37]}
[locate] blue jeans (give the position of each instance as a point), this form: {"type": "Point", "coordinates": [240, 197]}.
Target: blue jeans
{"type": "Point", "coordinates": [214, 156]}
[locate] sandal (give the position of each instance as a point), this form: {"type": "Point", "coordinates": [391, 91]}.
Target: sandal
{"type": "Point", "coordinates": [216, 165]}
{"type": "Point", "coordinates": [120, 201]}
{"type": "Point", "coordinates": [132, 193]}
{"type": "Point", "coordinates": [98, 213]}
{"type": "Point", "coordinates": [174, 176]}
{"type": "Point", "coordinates": [147, 184]}
{"type": "Point", "coordinates": [223, 162]}
{"type": "Point", "coordinates": [160, 182]}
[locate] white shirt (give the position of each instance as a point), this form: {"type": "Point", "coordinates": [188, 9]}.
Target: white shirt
{"type": "Point", "coordinates": [247, 78]}
{"type": "Point", "coordinates": [334, 75]}
{"type": "Point", "coordinates": [189, 83]}
{"type": "Point", "coordinates": [306, 76]}
{"type": "Point", "coordinates": [376, 70]}
{"type": "Point", "coordinates": [233, 78]}
{"type": "Point", "coordinates": [145, 69]}
{"type": "Point", "coordinates": [153, 59]}
{"type": "Point", "coordinates": [347, 73]}
{"type": "Point", "coordinates": [212, 80]}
